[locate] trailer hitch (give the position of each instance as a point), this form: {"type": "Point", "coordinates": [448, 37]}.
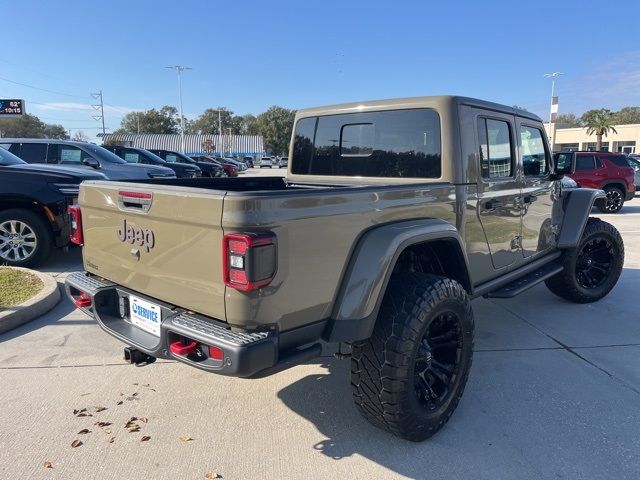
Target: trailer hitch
{"type": "Point", "coordinates": [137, 357]}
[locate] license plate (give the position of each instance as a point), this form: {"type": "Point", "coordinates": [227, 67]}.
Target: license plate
{"type": "Point", "coordinates": [145, 315]}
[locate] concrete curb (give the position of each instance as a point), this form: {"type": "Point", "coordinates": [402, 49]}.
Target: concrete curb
{"type": "Point", "coordinates": [37, 305]}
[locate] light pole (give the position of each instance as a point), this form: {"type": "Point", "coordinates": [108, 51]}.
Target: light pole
{"type": "Point", "coordinates": [554, 106]}
{"type": "Point", "coordinates": [180, 69]}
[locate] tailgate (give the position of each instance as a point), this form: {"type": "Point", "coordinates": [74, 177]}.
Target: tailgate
{"type": "Point", "coordinates": [163, 241]}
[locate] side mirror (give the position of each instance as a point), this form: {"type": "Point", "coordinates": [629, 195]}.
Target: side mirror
{"type": "Point", "coordinates": [564, 163]}
{"type": "Point", "coordinates": [91, 162]}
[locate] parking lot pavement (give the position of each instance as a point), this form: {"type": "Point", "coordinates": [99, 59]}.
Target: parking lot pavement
{"type": "Point", "coordinates": [553, 393]}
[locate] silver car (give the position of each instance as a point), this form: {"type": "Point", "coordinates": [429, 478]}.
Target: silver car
{"type": "Point", "coordinates": [634, 162]}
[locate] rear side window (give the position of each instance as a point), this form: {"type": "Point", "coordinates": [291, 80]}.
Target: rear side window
{"type": "Point", "coordinates": [534, 156]}
{"type": "Point", "coordinates": [389, 144]}
{"type": "Point", "coordinates": [585, 162]}
{"type": "Point", "coordinates": [496, 157]}
{"type": "Point", "coordinates": [34, 152]}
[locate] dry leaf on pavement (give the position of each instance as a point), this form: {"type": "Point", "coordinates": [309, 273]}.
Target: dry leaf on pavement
{"type": "Point", "coordinates": [212, 475]}
{"type": "Point", "coordinates": [76, 443]}
{"type": "Point", "coordinates": [47, 465]}
{"type": "Point", "coordinates": [145, 438]}
{"type": "Point", "coordinates": [84, 431]}
{"type": "Point", "coordinates": [110, 439]}
{"type": "Point", "coordinates": [185, 438]}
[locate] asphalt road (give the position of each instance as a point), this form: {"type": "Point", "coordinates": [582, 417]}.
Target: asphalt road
{"type": "Point", "coordinates": [554, 393]}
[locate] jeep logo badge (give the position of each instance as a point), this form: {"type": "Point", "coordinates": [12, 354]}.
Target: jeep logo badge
{"type": "Point", "coordinates": [142, 237]}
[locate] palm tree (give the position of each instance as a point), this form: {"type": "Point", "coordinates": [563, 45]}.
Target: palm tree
{"type": "Point", "coordinates": [598, 122]}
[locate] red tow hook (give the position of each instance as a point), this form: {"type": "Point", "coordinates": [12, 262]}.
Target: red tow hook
{"type": "Point", "coordinates": [178, 348]}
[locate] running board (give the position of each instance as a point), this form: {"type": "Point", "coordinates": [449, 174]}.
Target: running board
{"type": "Point", "coordinates": [518, 286]}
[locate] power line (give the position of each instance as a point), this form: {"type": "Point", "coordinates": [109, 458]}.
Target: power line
{"type": "Point", "coordinates": [43, 89]}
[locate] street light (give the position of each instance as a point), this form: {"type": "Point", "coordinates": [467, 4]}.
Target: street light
{"type": "Point", "coordinates": [180, 69]}
{"type": "Point", "coordinates": [552, 131]}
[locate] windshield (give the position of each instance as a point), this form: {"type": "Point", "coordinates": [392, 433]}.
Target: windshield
{"type": "Point", "coordinates": [8, 158]}
{"type": "Point", "coordinates": [103, 154]}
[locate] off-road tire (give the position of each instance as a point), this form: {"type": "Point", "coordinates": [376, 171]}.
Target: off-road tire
{"type": "Point", "coordinates": [383, 366]}
{"type": "Point", "coordinates": [42, 231]}
{"type": "Point", "coordinates": [614, 201]}
{"type": "Point", "coordinates": [567, 284]}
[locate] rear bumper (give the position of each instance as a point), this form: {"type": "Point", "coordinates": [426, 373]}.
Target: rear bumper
{"type": "Point", "coordinates": [245, 354]}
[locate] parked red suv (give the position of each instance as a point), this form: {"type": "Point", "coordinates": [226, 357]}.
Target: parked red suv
{"type": "Point", "coordinates": [608, 171]}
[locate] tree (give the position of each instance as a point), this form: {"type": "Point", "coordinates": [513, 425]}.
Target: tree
{"type": "Point", "coordinates": [599, 122]}
{"type": "Point", "coordinates": [247, 124]}
{"type": "Point", "coordinates": [275, 126]}
{"type": "Point", "coordinates": [30, 126]}
{"type": "Point", "coordinates": [80, 136]}
{"type": "Point", "coordinates": [208, 122]}
{"type": "Point", "coordinates": [165, 120]}
{"type": "Point", "coordinates": [626, 116]}
{"type": "Point", "coordinates": [567, 120]}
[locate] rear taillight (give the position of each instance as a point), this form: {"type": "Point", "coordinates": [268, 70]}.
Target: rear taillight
{"type": "Point", "coordinates": [249, 260]}
{"type": "Point", "coordinates": [76, 225]}
{"type": "Point", "coordinates": [81, 299]}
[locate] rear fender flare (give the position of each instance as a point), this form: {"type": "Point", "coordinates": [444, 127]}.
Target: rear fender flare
{"type": "Point", "coordinates": [372, 263]}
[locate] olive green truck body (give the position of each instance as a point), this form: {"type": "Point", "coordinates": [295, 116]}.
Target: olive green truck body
{"type": "Point", "coordinates": [262, 269]}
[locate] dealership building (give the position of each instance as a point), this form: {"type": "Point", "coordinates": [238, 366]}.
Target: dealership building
{"type": "Point", "coordinates": [220, 145]}
{"type": "Point", "coordinates": [626, 140]}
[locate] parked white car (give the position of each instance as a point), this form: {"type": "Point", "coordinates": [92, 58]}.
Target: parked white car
{"type": "Point", "coordinates": [266, 162]}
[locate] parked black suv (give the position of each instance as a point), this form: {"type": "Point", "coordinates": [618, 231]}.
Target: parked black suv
{"type": "Point", "coordinates": [140, 155]}
{"type": "Point", "coordinates": [81, 154]}
{"type": "Point", "coordinates": [33, 207]}
{"type": "Point", "coordinates": [169, 156]}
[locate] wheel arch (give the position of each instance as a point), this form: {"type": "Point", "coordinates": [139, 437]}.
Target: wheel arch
{"type": "Point", "coordinates": [383, 251]}
{"type": "Point", "coordinates": [577, 207]}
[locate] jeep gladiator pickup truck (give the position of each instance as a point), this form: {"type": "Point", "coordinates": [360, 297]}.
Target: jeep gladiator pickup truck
{"type": "Point", "coordinates": [394, 214]}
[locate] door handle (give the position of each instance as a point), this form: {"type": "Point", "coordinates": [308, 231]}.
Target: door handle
{"type": "Point", "coordinates": [492, 204]}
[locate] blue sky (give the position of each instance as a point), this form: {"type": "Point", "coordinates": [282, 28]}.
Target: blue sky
{"type": "Point", "coordinates": [249, 55]}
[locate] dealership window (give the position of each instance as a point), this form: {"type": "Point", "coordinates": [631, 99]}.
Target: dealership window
{"type": "Point", "coordinates": [496, 158]}
{"type": "Point", "coordinates": [628, 146]}
{"type": "Point", "coordinates": [395, 143]}
{"type": "Point", "coordinates": [591, 146]}
{"type": "Point", "coordinates": [569, 147]}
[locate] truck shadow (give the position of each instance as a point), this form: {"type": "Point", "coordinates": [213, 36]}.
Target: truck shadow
{"type": "Point", "coordinates": [325, 401]}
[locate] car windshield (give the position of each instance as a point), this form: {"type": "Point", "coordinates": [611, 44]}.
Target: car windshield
{"type": "Point", "coordinates": [103, 154]}
{"type": "Point", "coordinates": [7, 158]}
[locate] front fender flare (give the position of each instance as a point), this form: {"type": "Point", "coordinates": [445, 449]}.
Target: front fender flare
{"type": "Point", "coordinates": [370, 268]}
{"type": "Point", "coordinates": [577, 207]}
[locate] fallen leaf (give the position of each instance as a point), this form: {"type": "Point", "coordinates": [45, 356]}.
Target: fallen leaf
{"type": "Point", "coordinates": [185, 438]}
{"type": "Point", "coordinates": [110, 439]}
{"type": "Point", "coordinates": [102, 424]}
{"type": "Point", "coordinates": [100, 409]}
{"type": "Point", "coordinates": [84, 431]}
{"type": "Point", "coordinates": [136, 384]}
{"type": "Point", "coordinates": [76, 443]}
{"type": "Point", "coordinates": [152, 389]}
{"type": "Point", "coordinates": [212, 475]}
{"type": "Point", "coordinates": [145, 438]}
{"type": "Point", "coordinates": [84, 414]}
{"type": "Point", "coordinates": [120, 402]}
{"type": "Point", "coordinates": [85, 394]}
{"type": "Point", "coordinates": [133, 419]}
{"type": "Point", "coordinates": [134, 394]}
{"type": "Point", "coordinates": [47, 465]}
{"type": "Point", "coordinates": [144, 419]}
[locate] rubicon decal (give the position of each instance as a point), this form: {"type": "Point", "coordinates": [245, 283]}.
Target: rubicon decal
{"type": "Point", "coordinates": [142, 237]}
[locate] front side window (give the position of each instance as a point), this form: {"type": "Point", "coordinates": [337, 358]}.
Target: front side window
{"type": "Point", "coordinates": [532, 151]}
{"type": "Point", "coordinates": [389, 144]}
{"type": "Point", "coordinates": [496, 158]}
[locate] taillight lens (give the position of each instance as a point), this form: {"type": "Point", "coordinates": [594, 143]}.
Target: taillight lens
{"type": "Point", "coordinates": [249, 260]}
{"type": "Point", "coordinates": [76, 225]}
